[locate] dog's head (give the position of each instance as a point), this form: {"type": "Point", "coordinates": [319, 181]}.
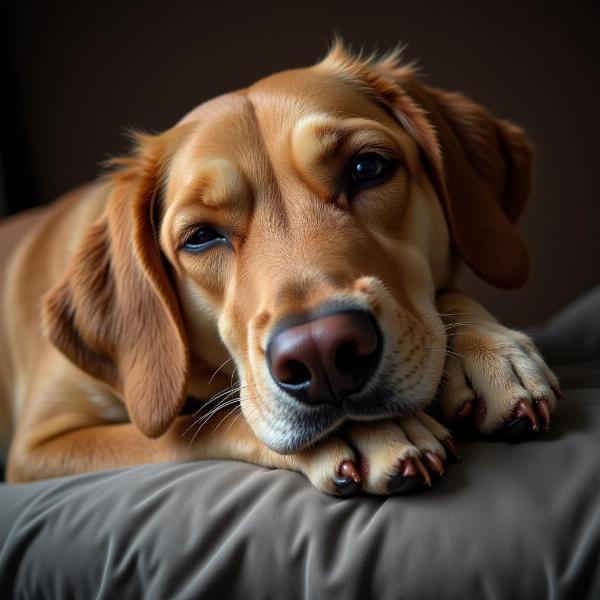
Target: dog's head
{"type": "Point", "coordinates": [301, 226]}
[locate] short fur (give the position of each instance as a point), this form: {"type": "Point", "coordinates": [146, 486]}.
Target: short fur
{"type": "Point", "coordinates": [111, 324]}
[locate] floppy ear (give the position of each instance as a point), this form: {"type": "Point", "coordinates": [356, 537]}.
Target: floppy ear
{"type": "Point", "coordinates": [479, 165]}
{"type": "Point", "coordinates": [115, 314]}
{"type": "Point", "coordinates": [481, 168]}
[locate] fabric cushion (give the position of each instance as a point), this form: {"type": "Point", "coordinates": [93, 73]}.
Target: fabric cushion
{"type": "Point", "coordinates": [510, 521]}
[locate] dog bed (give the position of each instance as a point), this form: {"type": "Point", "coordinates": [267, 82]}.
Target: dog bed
{"type": "Point", "coordinates": [510, 521]}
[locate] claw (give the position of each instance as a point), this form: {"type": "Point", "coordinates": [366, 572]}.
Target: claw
{"type": "Point", "coordinates": [434, 462]}
{"type": "Point", "coordinates": [406, 479]}
{"type": "Point", "coordinates": [543, 408]}
{"type": "Point", "coordinates": [347, 480]}
{"type": "Point", "coordinates": [524, 409]}
{"type": "Point", "coordinates": [407, 467]}
{"type": "Point", "coordinates": [348, 469]}
{"type": "Point", "coordinates": [448, 443]}
{"type": "Point", "coordinates": [423, 471]}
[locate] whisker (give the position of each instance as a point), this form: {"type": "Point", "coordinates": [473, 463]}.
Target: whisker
{"type": "Point", "coordinates": [243, 353]}
{"type": "Point", "coordinates": [206, 419]}
{"type": "Point", "coordinates": [227, 415]}
{"type": "Point", "coordinates": [215, 373]}
{"type": "Point", "coordinates": [217, 396]}
{"type": "Point", "coordinates": [216, 409]}
{"type": "Point", "coordinates": [224, 402]}
{"type": "Point", "coordinates": [234, 420]}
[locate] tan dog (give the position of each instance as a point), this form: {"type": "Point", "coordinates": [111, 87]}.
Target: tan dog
{"type": "Point", "coordinates": [301, 239]}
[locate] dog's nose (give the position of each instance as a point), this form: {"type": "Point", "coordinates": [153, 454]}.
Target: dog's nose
{"type": "Point", "coordinates": [326, 359]}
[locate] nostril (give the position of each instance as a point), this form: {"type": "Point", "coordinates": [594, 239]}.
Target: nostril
{"type": "Point", "coordinates": [348, 359]}
{"type": "Point", "coordinates": [294, 373]}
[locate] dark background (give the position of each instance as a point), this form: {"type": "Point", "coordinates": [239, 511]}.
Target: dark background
{"type": "Point", "coordinates": [76, 74]}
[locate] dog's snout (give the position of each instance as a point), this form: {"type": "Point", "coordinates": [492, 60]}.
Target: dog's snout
{"type": "Point", "coordinates": [326, 359]}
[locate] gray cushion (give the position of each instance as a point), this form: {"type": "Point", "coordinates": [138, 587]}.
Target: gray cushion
{"type": "Point", "coordinates": [511, 521]}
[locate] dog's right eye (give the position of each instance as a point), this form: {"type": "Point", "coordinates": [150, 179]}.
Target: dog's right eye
{"type": "Point", "coordinates": [367, 170]}
{"type": "Point", "coordinates": [203, 238]}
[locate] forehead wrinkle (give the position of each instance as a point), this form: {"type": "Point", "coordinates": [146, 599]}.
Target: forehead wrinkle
{"type": "Point", "coordinates": [215, 183]}
{"type": "Point", "coordinates": [285, 98]}
{"type": "Point", "coordinates": [273, 210]}
{"type": "Point", "coordinates": [220, 163]}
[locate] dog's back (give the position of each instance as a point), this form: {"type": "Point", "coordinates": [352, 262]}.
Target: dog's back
{"type": "Point", "coordinates": [28, 267]}
{"type": "Point", "coordinates": [12, 232]}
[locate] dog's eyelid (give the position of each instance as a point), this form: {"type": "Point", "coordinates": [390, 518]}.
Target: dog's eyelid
{"type": "Point", "coordinates": [185, 235]}
{"type": "Point", "coordinates": [367, 142]}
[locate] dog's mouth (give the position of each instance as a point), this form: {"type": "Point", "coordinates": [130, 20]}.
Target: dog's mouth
{"type": "Point", "coordinates": [288, 426]}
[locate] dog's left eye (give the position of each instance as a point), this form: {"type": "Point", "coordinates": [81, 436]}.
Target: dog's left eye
{"type": "Point", "coordinates": [369, 168]}
{"type": "Point", "coordinates": [203, 238]}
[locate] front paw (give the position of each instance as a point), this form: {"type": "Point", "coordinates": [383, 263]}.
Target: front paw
{"type": "Point", "coordinates": [497, 382]}
{"type": "Point", "coordinates": [382, 458]}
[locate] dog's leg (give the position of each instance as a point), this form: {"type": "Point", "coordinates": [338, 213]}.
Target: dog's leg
{"type": "Point", "coordinates": [381, 458]}
{"type": "Point", "coordinates": [495, 377]}
{"type": "Point", "coordinates": [72, 444]}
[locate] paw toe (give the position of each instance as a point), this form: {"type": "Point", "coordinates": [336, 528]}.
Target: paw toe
{"type": "Point", "coordinates": [451, 449]}
{"type": "Point", "coordinates": [543, 409]}
{"type": "Point", "coordinates": [406, 480]}
{"type": "Point", "coordinates": [347, 480]}
{"type": "Point", "coordinates": [434, 462]}
{"type": "Point", "coordinates": [522, 424]}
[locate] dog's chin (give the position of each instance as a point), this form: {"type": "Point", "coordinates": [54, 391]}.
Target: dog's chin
{"type": "Point", "coordinates": [302, 429]}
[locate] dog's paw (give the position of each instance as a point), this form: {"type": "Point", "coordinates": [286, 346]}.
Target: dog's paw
{"type": "Point", "coordinates": [331, 466]}
{"type": "Point", "coordinates": [497, 382]}
{"type": "Point", "coordinates": [383, 458]}
{"type": "Point", "coordinates": [396, 457]}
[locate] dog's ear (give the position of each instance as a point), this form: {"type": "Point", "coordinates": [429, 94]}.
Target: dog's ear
{"type": "Point", "coordinates": [115, 314]}
{"type": "Point", "coordinates": [481, 169]}
{"type": "Point", "coordinates": [479, 165]}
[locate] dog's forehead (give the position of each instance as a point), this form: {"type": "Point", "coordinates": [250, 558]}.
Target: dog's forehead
{"type": "Point", "coordinates": [281, 100]}
{"type": "Point", "coordinates": [252, 127]}
{"type": "Point", "coordinates": [267, 112]}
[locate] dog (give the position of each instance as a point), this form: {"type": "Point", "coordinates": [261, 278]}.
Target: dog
{"type": "Point", "coordinates": [277, 279]}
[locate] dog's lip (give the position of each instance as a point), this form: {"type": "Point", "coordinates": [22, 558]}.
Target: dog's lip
{"type": "Point", "coordinates": [321, 420]}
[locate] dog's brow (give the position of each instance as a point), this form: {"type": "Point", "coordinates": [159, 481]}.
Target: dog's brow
{"type": "Point", "coordinates": [319, 136]}
{"type": "Point", "coordinates": [215, 183]}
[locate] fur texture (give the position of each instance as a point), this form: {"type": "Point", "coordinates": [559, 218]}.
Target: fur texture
{"type": "Point", "coordinates": [134, 323]}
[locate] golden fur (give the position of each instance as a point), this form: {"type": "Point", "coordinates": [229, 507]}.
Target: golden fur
{"type": "Point", "coordinates": [111, 324]}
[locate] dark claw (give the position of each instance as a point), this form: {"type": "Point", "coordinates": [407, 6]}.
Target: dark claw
{"type": "Point", "coordinates": [543, 409]}
{"type": "Point", "coordinates": [406, 479]}
{"type": "Point", "coordinates": [524, 409]}
{"type": "Point", "coordinates": [434, 462]}
{"type": "Point", "coordinates": [424, 472]}
{"type": "Point", "coordinates": [522, 425]}
{"type": "Point", "coordinates": [347, 480]}
{"type": "Point", "coordinates": [452, 450]}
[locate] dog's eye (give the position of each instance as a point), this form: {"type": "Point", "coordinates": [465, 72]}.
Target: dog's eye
{"type": "Point", "coordinates": [203, 238]}
{"type": "Point", "coordinates": [369, 169]}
